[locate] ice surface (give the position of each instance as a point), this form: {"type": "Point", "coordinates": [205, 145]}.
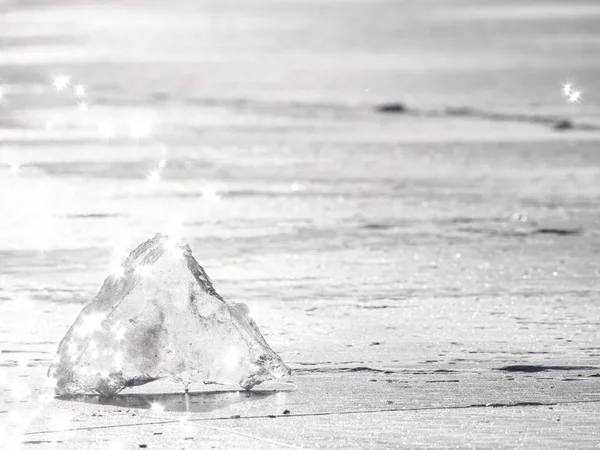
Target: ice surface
{"type": "Point", "coordinates": [159, 317]}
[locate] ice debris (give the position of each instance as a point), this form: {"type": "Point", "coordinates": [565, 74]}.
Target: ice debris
{"type": "Point", "coordinates": [160, 318]}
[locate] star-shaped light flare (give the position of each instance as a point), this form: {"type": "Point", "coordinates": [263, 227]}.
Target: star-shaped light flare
{"type": "Point", "coordinates": [575, 97]}
{"type": "Point", "coordinates": [572, 95]}
{"type": "Point", "coordinates": [80, 91]}
{"type": "Point", "coordinates": [61, 82]}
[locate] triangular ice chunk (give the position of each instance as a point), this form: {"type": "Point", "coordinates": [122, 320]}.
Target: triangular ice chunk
{"type": "Point", "coordinates": [161, 318]}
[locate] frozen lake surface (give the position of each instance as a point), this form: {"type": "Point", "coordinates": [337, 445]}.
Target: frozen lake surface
{"type": "Point", "coordinates": [379, 253]}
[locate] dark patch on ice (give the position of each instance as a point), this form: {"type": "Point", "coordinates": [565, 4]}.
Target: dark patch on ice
{"type": "Point", "coordinates": [395, 108]}
{"type": "Point", "coordinates": [376, 306]}
{"type": "Point", "coordinates": [160, 96]}
{"type": "Point", "coordinates": [466, 111]}
{"type": "Point", "coordinates": [378, 226]}
{"type": "Point", "coordinates": [390, 380]}
{"type": "Point", "coordinates": [539, 368]}
{"type": "Point", "coordinates": [555, 122]}
{"type": "Point", "coordinates": [313, 363]}
{"type": "Point", "coordinates": [441, 381]}
{"type": "Point", "coordinates": [563, 124]}
{"type": "Point", "coordinates": [345, 370]}
{"type": "Point", "coordinates": [459, 111]}
{"type": "Point", "coordinates": [511, 405]}
{"type": "Point", "coordinates": [559, 231]}
{"type": "Point", "coordinates": [462, 220]}
{"type": "Point", "coordinates": [539, 231]}
{"type": "Point", "coordinates": [22, 351]}
{"type": "Point", "coordinates": [365, 369]}
{"type": "Point", "coordinates": [41, 442]}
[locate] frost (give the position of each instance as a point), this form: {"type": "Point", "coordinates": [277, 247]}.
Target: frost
{"type": "Point", "coordinates": [160, 318]}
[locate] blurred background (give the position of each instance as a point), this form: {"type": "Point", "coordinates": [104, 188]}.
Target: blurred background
{"type": "Point", "coordinates": [327, 161]}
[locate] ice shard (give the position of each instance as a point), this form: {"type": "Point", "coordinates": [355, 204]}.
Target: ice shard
{"type": "Point", "coordinates": [159, 317]}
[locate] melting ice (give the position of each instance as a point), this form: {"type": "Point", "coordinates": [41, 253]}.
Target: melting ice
{"type": "Point", "coordinates": [160, 318]}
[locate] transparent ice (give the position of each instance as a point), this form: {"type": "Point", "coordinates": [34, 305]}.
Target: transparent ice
{"type": "Point", "coordinates": [159, 317]}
